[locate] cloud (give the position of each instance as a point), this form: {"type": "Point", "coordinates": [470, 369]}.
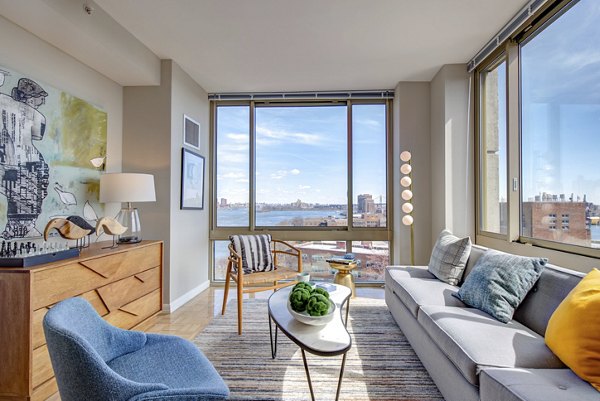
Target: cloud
{"type": "Point", "coordinates": [232, 175]}
{"type": "Point", "coordinates": [239, 138]}
{"type": "Point", "coordinates": [279, 174]}
{"type": "Point", "coordinates": [268, 136]}
{"type": "Point", "coordinates": [303, 186]}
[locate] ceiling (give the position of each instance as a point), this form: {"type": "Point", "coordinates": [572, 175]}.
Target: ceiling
{"type": "Point", "coordinates": [301, 45]}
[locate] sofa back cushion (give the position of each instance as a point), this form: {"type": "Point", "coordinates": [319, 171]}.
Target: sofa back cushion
{"type": "Point", "coordinates": [476, 252]}
{"type": "Point", "coordinates": [553, 286]}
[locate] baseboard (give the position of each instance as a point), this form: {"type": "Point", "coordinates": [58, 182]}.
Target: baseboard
{"type": "Point", "coordinates": [185, 298]}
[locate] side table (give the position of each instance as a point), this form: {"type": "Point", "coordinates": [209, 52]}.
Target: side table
{"type": "Point", "coordinates": [343, 276]}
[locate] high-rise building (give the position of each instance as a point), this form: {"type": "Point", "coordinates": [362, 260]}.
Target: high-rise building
{"type": "Point", "coordinates": [223, 202]}
{"type": "Point", "coordinates": [366, 204]}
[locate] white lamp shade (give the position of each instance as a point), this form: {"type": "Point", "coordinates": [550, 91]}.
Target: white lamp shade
{"type": "Point", "coordinates": [407, 207]}
{"type": "Point", "coordinates": [405, 181]}
{"type": "Point", "coordinates": [407, 220]}
{"type": "Point", "coordinates": [405, 156]}
{"type": "Point", "coordinates": [127, 187]}
{"type": "Point", "coordinates": [407, 194]}
{"type": "Point", "coordinates": [405, 168]}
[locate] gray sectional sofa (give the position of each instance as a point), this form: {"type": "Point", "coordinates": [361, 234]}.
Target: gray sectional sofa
{"type": "Point", "coordinates": [473, 357]}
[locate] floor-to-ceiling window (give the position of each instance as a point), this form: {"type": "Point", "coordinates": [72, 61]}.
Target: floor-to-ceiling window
{"type": "Point", "coordinates": [312, 173]}
{"type": "Point", "coordinates": [539, 119]}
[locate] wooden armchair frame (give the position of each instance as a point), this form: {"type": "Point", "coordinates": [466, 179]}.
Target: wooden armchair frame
{"type": "Point", "coordinates": [259, 281]}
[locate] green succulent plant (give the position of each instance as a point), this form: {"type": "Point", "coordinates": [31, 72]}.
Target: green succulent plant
{"type": "Point", "coordinates": [321, 291]}
{"type": "Point", "coordinates": [318, 305]}
{"type": "Point", "coordinates": [306, 286]}
{"type": "Point", "coordinates": [299, 299]}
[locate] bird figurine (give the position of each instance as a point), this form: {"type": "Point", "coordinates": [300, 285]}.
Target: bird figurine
{"type": "Point", "coordinates": [68, 229]}
{"type": "Point", "coordinates": [111, 227]}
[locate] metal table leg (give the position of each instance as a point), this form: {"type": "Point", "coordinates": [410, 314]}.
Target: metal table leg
{"type": "Point", "coordinates": [312, 394]}
{"type": "Point", "coordinates": [273, 345]}
{"type": "Point", "coordinates": [337, 394]}
{"type": "Point", "coordinates": [347, 311]}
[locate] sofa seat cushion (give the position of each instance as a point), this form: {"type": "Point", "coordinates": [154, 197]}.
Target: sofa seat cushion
{"type": "Point", "coordinates": [534, 385]}
{"type": "Point", "coordinates": [473, 340]}
{"type": "Point", "coordinates": [414, 292]}
{"type": "Point", "coordinates": [396, 272]}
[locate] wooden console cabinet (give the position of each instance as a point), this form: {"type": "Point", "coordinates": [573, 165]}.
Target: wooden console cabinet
{"type": "Point", "coordinates": [123, 284]}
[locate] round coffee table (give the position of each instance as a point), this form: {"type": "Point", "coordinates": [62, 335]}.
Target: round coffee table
{"type": "Point", "coordinates": [328, 340]}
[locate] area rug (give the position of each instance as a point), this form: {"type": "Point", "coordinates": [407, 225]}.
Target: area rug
{"type": "Point", "coordinates": [381, 364]}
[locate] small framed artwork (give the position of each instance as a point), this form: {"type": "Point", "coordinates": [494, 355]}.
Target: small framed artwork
{"type": "Point", "coordinates": [192, 180]}
{"type": "Point", "coordinates": [191, 133]}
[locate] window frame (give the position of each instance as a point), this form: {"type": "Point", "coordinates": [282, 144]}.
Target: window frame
{"type": "Point", "coordinates": [512, 50]}
{"type": "Point", "coordinates": [348, 233]}
{"type": "Point", "coordinates": [493, 61]}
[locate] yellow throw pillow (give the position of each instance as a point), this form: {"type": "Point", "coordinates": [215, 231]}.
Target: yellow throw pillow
{"type": "Point", "coordinates": [573, 332]}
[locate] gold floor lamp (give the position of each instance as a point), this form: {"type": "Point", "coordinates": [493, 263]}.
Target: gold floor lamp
{"type": "Point", "coordinates": [407, 195]}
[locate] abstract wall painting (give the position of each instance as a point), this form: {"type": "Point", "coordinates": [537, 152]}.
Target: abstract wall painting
{"type": "Point", "coordinates": [192, 180]}
{"type": "Point", "coordinates": [52, 150]}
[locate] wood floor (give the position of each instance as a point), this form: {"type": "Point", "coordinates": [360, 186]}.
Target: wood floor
{"type": "Point", "coordinates": [194, 316]}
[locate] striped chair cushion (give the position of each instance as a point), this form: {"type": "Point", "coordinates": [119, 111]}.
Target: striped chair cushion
{"type": "Point", "coordinates": [255, 251]}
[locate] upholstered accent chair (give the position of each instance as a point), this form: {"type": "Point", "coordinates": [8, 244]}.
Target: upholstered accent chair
{"type": "Point", "coordinates": [95, 361]}
{"type": "Point", "coordinates": [253, 265]}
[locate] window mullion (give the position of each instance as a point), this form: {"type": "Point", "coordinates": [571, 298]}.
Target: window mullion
{"type": "Point", "coordinates": [252, 175]}
{"type": "Point", "coordinates": [513, 133]}
{"type": "Point", "coordinates": [350, 173]}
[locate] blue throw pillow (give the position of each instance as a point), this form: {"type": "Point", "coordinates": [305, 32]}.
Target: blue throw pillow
{"type": "Point", "coordinates": [499, 282]}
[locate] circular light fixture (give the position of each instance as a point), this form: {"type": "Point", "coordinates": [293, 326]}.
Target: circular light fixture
{"type": "Point", "coordinates": [407, 220]}
{"type": "Point", "coordinates": [405, 168]}
{"type": "Point", "coordinates": [405, 181]}
{"type": "Point", "coordinates": [405, 156]}
{"type": "Point", "coordinates": [407, 207]}
{"type": "Point", "coordinates": [407, 194]}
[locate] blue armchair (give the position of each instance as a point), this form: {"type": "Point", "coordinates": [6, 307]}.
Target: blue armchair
{"type": "Point", "coordinates": [95, 361]}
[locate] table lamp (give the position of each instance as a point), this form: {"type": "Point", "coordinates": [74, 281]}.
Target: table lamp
{"type": "Point", "coordinates": [128, 188]}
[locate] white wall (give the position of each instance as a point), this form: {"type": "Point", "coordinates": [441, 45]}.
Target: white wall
{"type": "Point", "coordinates": [411, 132]}
{"type": "Point", "coordinates": [146, 149]}
{"type": "Point", "coordinates": [152, 141]}
{"type": "Point", "coordinates": [452, 170]}
{"type": "Point", "coordinates": [25, 53]}
{"type": "Point", "coordinates": [189, 228]}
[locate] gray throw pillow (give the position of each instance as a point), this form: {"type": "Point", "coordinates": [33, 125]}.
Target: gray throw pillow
{"type": "Point", "coordinates": [449, 257]}
{"type": "Point", "coordinates": [499, 282]}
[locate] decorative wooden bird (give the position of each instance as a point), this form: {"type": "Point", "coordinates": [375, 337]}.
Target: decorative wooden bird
{"type": "Point", "coordinates": [67, 229]}
{"type": "Point", "coordinates": [110, 226]}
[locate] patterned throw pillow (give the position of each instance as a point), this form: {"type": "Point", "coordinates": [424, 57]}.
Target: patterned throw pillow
{"type": "Point", "coordinates": [499, 282]}
{"type": "Point", "coordinates": [449, 257]}
{"type": "Point", "coordinates": [255, 251]}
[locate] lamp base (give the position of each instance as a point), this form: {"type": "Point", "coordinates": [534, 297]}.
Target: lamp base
{"type": "Point", "coordinates": [130, 218]}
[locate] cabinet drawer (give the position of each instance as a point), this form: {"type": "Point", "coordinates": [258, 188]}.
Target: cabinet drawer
{"type": "Point", "coordinates": [53, 285]}
{"type": "Point", "coordinates": [38, 317]}
{"type": "Point", "coordinates": [135, 312]}
{"type": "Point", "coordinates": [42, 367]}
{"type": "Point", "coordinates": [129, 289]}
{"type": "Point", "coordinates": [38, 338]}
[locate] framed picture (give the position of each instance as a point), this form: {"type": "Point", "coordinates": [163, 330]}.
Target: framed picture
{"type": "Point", "coordinates": [192, 180]}
{"type": "Point", "coordinates": [191, 133]}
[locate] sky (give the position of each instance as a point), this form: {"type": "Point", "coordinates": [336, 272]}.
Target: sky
{"type": "Point", "coordinates": [301, 153]}
{"type": "Point", "coordinates": [560, 81]}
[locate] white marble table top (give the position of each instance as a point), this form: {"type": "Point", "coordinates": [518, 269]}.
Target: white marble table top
{"type": "Point", "coordinates": [327, 340]}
